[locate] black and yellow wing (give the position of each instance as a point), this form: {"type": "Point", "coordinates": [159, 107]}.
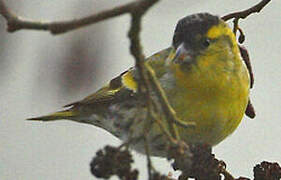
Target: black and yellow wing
{"type": "Point", "coordinates": [121, 88]}
{"type": "Point", "coordinates": [126, 82]}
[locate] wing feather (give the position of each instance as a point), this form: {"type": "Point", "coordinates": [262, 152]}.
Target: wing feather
{"type": "Point", "coordinates": [124, 85]}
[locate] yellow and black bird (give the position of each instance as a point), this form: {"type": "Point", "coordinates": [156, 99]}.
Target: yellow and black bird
{"type": "Point", "coordinates": [203, 75]}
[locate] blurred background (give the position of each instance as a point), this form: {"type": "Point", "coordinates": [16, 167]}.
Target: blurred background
{"type": "Point", "coordinates": [39, 73]}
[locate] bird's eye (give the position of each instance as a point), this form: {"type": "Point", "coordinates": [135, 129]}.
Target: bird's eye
{"type": "Point", "coordinates": [206, 42]}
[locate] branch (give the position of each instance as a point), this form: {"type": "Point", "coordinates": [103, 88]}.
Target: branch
{"type": "Point", "coordinates": [15, 23]}
{"type": "Point", "coordinates": [243, 14]}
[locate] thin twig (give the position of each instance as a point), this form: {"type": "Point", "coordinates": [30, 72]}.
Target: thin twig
{"type": "Point", "coordinates": [167, 108]}
{"type": "Point", "coordinates": [241, 38]}
{"type": "Point", "coordinates": [227, 175]}
{"type": "Point", "coordinates": [161, 126]}
{"type": "Point", "coordinates": [143, 84]}
{"type": "Point", "coordinates": [235, 26]}
{"type": "Point", "coordinates": [243, 14]}
{"type": "Point", "coordinates": [148, 159]}
{"type": "Point", "coordinates": [15, 22]}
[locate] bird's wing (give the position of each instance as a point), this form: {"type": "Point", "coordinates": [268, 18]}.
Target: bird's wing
{"type": "Point", "coordinates": [124, 86]}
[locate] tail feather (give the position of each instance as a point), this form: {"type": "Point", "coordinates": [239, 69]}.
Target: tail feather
{"type": "Point", "coordinates": [67, 114]}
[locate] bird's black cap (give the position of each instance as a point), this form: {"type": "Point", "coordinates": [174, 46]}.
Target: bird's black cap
{"type": "Point", "coordinates": [189, 26]}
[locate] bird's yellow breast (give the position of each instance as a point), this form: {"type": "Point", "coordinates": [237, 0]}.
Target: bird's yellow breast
{"type": "Point", "coordinates": [214, 94]}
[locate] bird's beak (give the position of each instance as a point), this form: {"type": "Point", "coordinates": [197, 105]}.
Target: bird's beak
{"type": "Point", "coordinates": [182, 55]}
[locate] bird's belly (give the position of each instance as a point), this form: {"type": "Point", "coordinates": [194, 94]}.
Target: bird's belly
{"type": "Point", "coordinates": [216, 112]}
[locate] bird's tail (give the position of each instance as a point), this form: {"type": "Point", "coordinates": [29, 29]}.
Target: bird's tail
{"type": "Point", "coordinates": [66, 114]}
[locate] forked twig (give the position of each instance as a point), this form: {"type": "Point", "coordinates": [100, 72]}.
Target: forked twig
{"type": "Point", "coordinates": [245, 13]}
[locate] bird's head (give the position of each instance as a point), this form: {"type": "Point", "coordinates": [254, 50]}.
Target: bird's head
{"type": "Point", "coordinates": [202, 35]}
